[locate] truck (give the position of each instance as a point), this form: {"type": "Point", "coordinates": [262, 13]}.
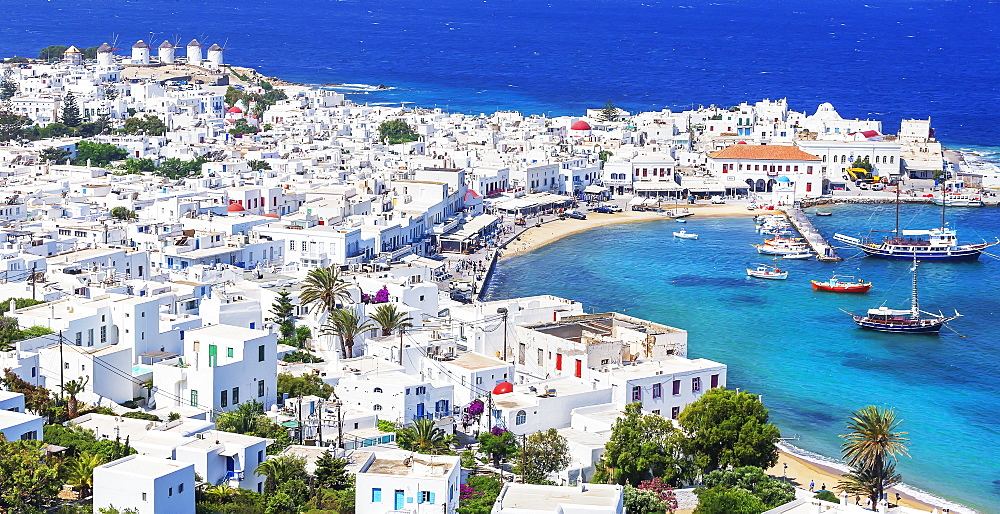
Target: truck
{"type": "Point", "coordinates": [861, 175]}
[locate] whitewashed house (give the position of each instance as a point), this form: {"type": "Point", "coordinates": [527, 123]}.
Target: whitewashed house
{"type": "Point", "coordinates": [147, 485]}
{"type": "Point", "coordinates": [397, 481]}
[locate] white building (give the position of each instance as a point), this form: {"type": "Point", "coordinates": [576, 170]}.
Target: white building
{"type": "Point", "coordinates": [397, 481]}
{"type": "Point", "coordinates": [215, 56]}
{"type": "Point", "coordinates": [15, 424]}
{"type": "Point", "coordinates": [517, 498]}
{"type": "Point", "coordinates": [148, 485]}
{"type": "Point", "coordinates": [140, 53]}
{"type": "Point", "coordinates": [166, 52]}
{"type": "Point", "coordinates": [758, 167]}
{"type": "Point", "coordinates": [194, 53]}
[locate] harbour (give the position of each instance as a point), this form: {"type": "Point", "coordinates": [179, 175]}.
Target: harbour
{"type": "Point", "coordinates": [824, 251]}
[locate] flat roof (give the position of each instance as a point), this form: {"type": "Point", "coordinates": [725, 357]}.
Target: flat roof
{"type": "Point", "coordinates": [146, 466]}
{"type": "Point", "coordinates": [474, 361]}
{"type": "Point", "coordinates": [548, 498]}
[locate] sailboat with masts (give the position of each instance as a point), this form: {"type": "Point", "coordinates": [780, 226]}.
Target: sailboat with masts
{"type": "Point", "coordinates": [912, 321]}
{"type": "Point", "coordinates": [936, 244]}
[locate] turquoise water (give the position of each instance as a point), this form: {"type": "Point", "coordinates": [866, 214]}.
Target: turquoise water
{"type": "Point", "coordinates": [794, 345]}
{"type": "Point", "coordinates": [141, 369]}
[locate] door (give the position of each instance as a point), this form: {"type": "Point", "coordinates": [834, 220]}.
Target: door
{"type": "Point", "coordinates": [559, 361]}
{"type": "Point", "coordinates": [579, 368]}
{"type": "Point", "coordinates": [399, 500]}
{"type": "Point", "coordinates": [420, 411]}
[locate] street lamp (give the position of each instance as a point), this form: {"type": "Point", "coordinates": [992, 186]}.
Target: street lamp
{"type": "Point", "coordinates": [503, 311]}
{"type": "Point", "coordinates": [784, 473]}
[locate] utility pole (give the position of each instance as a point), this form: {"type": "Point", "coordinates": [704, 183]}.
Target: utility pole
{"type": "Point", "coordinates": [340, 426]}
{"type": "Point", "coordinates": [503, 311]}
{"type": "Point", "coordinates": [62, 367]}
{"type": "Point", "coordinates": [524, 455]}
{"type": "Point", "coordinates": [319, 428]}
{"type": "Point", "coordinates": [300, 419]}
{"type": "Point", "coordinates": [401, 331]}
{"type": "Point", "coordinates": [34, 278]}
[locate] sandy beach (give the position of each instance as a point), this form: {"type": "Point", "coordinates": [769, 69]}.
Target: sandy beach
{"type": "Point", "coordinates": [537, 237]}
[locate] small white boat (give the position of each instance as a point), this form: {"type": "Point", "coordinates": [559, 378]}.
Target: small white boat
{"type": "Point", "coordinates": [681, 220]}
{"type": "Point", "coordinates": [801, 256]}
{"type": "Point", "coordinates": [683, 234]}
{"type": "Point", "coordinates": [769, 272]}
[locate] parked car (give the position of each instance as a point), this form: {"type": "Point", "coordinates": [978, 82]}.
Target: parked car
{"type": "Point", "coordinates": [604, 209]}
{"type": "Point", "coordinates": [718, 199]}
{"type": "Point", "coordinates": [577, 215]}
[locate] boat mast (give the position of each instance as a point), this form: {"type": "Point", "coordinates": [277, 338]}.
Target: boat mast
{"type": "Point", "coordinates": [897, 210]}
{"type": "Point", "coordinates": [944, 202]}
{"type": "Point", "coordinates": [914, 302]}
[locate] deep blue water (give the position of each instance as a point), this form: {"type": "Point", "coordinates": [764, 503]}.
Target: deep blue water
{"type": "Point", "coordinates": [886, 60]}
{"type": "Point", "coordinates": [795, 347]}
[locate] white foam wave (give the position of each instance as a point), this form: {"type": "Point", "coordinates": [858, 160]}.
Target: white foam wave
{"type": "Point", "coordinates": [915, 492]}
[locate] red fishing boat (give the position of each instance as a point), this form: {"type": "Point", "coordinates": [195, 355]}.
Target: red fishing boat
{"type": "Point", "coordinates": [843, 284]}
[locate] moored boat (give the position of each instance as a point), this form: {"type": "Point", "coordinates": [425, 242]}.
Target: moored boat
{"type": "Point", "coordinates": [683, 234]}
{"type": "Point", "coordinates": [824, 213]}
{"type": "Point", "coordinates": [901, 321]}
{"type": "Point", "coordinates": [769, 272]}
{"type": "Point", "coordinates": [842, 284]}
{"type": "Point", "coordinates": [798, 256]}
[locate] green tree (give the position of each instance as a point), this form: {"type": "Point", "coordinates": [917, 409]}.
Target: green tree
{"type": "Point", "coordinates": [423, 436]}
{"type": "Point", "coordinates": [331, 472]}
{"type": "Point", "coordinates": [395, 132]}
{"type": "Point", "coordinates": [35, 331]}
{"type": "Point", "coordinates": [148, 125]}
{"type": "Point", "coordinates": [137, 166]}
{"type": "Point", "coordinates": [604, 155]}
{"type": "Point", "coordinates": [729, 429]}
{"type": "Point", "coordinates": [869, 483]}
{"type": "Point", "coordinates": [872, 444]}
{"type": "Point", "coordinates": [52, 53]}
{"type": "Point", "coordinates": [12, 125]}
{"type": "Point", "coordinates": [499, 444]}
{"type": "Point", "coordinates": [53, 154]}
{"type": "Point", "coordinates": [641, 447]}
{"type": "Point", "coordinates": [346, 325]}
{"type": "Point", "coordinates": [828, 496]}
{"type": "Point", "coordinates": [28, 479]}
{"type": "Point", "coordinates": [323, 290]}
{"type": "Point", "coordinates": [609, 112]}
{"type": "Point", "coordinates": [98, 154]}
{"type": "Point", "coordinates": [56, 129]}
{"type": "Point", "coordinates": [80, 472]}
{"type": "Point", "coordinates": [249, 419]}
{"type": "Point", "coordinates": [390, 319]}
{"type": "Point", "coordinates": [258, 165]}
{"type": "Point", "coordinates": [8, 86]}
{"type": "Point", "coordinates": [302, 334]}
{"type": "Point", "coordinates": [755, 481]}
{"type": "Point", "coordinates": [73, 388]}
{"type": "Point", "coordinates": [283, 313]}
{"type": "Point", "coordinates": [122, 213]}
{"type": "Point", "coordinates": [303, 385]}
{"type": "Point", "coordinates": [722, 500]}
{"type": "Point", "coordinates": [639, 501]}
{"type": "Point", "coordinates": [864, 164]}
{"type": "Point", "coordinates": [280, 470]}
{"type": "Point", "coordinates": [70, 111]}
{"type": "Point", "coordinates": [232, 96]}
{"type": "Point", "coordinates": [543, 453]}
{"type": "Point", "coordinates": [176, 169]}
{"type": "Point", "coordinates": [242, 127]}
{"type": "Point", "coordinates": [37, 399]}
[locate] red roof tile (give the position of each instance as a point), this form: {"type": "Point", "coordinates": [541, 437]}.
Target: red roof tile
{"type": "Point", "coordinates": [764, 153]}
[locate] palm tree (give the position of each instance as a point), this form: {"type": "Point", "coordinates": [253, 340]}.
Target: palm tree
{"type": "Point", "coordinates": [280, 470]}
{"type": "Point", "coordinates": [345, 324]}
{"type": "Point", "coordinates": [872, 444]}
{"type": "Point", "coordinates": [390, 319]}
{"type": "Point", "coordinates": [323, 289]}
{"type": "Point", "coordinates": [80, 471]}
{"type": "Point", "coordinates": [221, 493]}
{"type": "Point", "coordinates": [862, 482]}
{"type": "Point", "coordinates": [73, 388]}
{"type": "Point", "coordinates": [423, 436]}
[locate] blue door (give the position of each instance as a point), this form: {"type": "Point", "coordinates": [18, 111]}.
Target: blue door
{"type": "Point", "coordinates": [420, 411]}
{"type": "Point", "coordinates": [399, 500]}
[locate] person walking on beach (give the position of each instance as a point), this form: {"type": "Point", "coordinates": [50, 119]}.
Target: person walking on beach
{"type": "Point", "coordinates": [812, 485]}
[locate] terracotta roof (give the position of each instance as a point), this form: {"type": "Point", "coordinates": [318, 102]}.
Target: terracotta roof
{"type": "Point", "coordinates": [166, 44]}
{"type": "Point", "coordinates": [214, 48]}
{"type": "Point", "coordinates": [105, 49]}
{"type": "Point", "coordinates": [194, 42]}
{"type": "Point", "coordinates": [140, 44]}
{"type": "Point", "coordinates": [764, 153]}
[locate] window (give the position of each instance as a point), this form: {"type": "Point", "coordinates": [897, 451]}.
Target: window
{"type": "Point", "coordinates": [520, 418]}
{"type": "Point", "coordinates": [715, 381]}
{"type": "Point", "coordinates": [657, 390]}
{"type": "Point", "coordinates": [674, 412]}
{"type": "Point", "coordinates": [260, 353]}
{"type": "Point", "coordinates": [695, 384]}
{"type": "Point", "coordinates": [104, 334]}
{"type": "Point", "coordinates": [194, 398]}
{"type": "Point", "coordinates": [224, 398]}
{"type": "Point", "coordinates": [377, 407]}
{"type": "Point", "coordinates": [305, 246]}
{"type": "Point", "coordinates": [421, 390]}
{"type": "Point", "coordinates": [170, 491]}
{"type": "Point", "coordinates": [260, 456]}
{"type": "Point", "coordinates": [809, 170]}
{"type": "Point", "coordinates": [809, 187]}
{"type": "Point", "coordinates": [143, 496]}
{"type": "Point", "coordinates": [677, 387]}
{"type": "Point", "coordinates": [636, 394]}
{"type": "Point", "coordinates": [180, 488]}
{"type": "Point", "coordinates": [377, 495]}
{"type": "Point", "coordinates": [291, 244]}
{"type": "Point", "coordinates": [425, 497]}
{"type": "Point", "coordinates": [213, 355]}
{"type": "Point", "coordinates": [236, 395]}
{"type": "Point", "coordinates": [260, 388]}
{"type": "Point", "coordinates": [90, 337]}
{"type": "Point", "coordinates": [79, 338]}
{"type": "Point", "coordinates": [378, 390]}
{"type": "Point", "coordinates": [229, 352]}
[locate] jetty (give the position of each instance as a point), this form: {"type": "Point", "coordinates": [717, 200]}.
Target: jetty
{"type": "Point", "coordinates": [824, 252]}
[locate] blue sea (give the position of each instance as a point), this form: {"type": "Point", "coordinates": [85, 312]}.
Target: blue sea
{"type": "Point", "coordinates": [795, 347]}
{"type": "Point", "coordinates": [886, 60]}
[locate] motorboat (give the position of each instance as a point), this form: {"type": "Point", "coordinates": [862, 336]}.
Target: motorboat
{"type": "Point", "coordinates": [824, 213]}
{"type": "Point", "coordinates": [842, 284]}
{"type": "Point", "coordinates": [683, 234]}
{"type": "Point", "coordinates": [769, 272]}
{"type": "Point", "coordinates": [798, 256]}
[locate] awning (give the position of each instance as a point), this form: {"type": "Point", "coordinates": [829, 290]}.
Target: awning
{"type": "Point", "coordinates": [231, 450]}
{"type": "Point", "coordinates": [594, 189]}
{"type": "Point", "coordinates": [158, 355]}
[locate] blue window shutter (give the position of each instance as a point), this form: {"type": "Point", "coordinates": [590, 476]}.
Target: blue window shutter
{"type": "Point", "coordinates": [432, 498]}
{"type": "Point", "coordinates": [420, 497]}
{"type": "Point", "coordinates": [376, 495]}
